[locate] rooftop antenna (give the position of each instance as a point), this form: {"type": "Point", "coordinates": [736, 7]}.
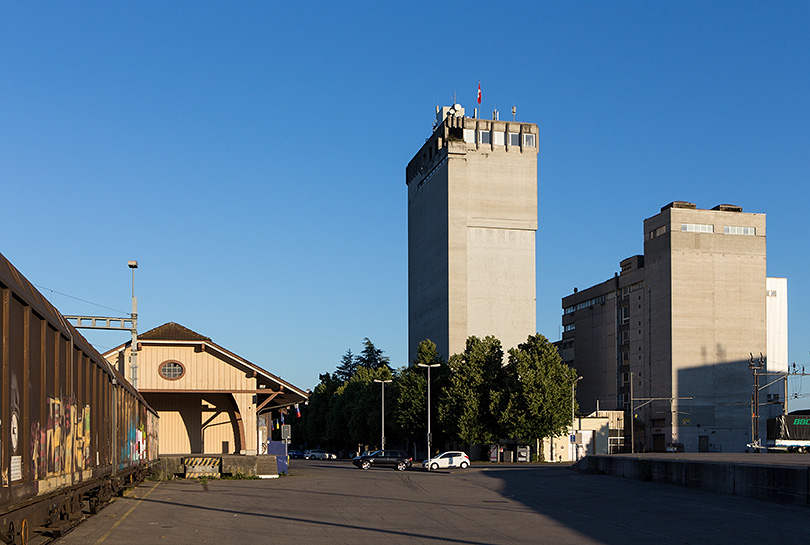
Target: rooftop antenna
{"type": "Point", "coordinates": [513, 112]}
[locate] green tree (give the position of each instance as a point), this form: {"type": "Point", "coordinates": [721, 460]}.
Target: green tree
{"type": "Point", "coordinates": [465, 408]}
{"type": "Point", "coordinates": [411, 415]}
{"type": "Point", "coordinates": [347, 367]}
{"type": "Point", "coordinates": [410, 411]}
{"type": "Point", "coordinates": [534, 395]}
{"type": "Point", "coordinates": [314, 425]}
{"type": "Point", "coordinates": [372, 357]}
{"type": "Point", "coordinates": [360, 405]}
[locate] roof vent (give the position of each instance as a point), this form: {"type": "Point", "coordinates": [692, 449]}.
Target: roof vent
{"type": "Point", "coordinates": [728, 208]}
{"type": "Point", "coordinates": [679, 204]}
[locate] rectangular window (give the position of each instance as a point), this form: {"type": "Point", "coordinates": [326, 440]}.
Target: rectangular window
{"type": "Point", "coordinates": [735, 230]}
{"type": "Point", "coordinates": [658, 232]}
{"type": "Point", "coordinates": [469, 136]}
{"type": "Point", "coordinates": [514, 139]}
{"type": "Point", "coordinates": [499, 137]}
{"type": "Point", "coordinates": [528, 141]}
{"type": "Point", "coordinates": [484, 137]}
{"type": "Point", "coordinates": [658, 422]}
{"type": "Point", "coordinates": [697, 228]}
{"type": "Point", "coordinates": [570, 327]}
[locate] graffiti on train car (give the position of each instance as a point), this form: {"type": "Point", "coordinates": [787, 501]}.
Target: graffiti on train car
{"type": "Point", "coordinates": [63, 444]}
{"type": "Point", "coordinates": [14, 471]}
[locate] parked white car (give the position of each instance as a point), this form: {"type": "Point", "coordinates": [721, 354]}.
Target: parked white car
{"type": "Point", "coordinates": [452, 458]}
{"type": "Point", "coordinates": [318, 454]}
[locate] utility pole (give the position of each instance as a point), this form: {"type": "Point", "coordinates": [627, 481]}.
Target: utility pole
{"type": "Point", "coordinates": [647, 401]}
{"type": "Point", "coordinates": [755, 365]}
{"type": "Point", "coordinates": [133, 350]}
{"type": "Point", "coordinates": [118, 324]}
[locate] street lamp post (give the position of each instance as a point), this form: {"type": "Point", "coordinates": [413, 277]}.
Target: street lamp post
{"type": "Point", "coordinates": [133, 350]}
{"type": "Point", "coordinates": [429, 436]}
{"type": "Point", "coordinates": [574, 445]}
{"type": "Point", "coordinates": [382, 386]}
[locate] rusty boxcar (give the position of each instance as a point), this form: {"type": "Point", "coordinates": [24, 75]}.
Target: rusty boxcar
{"type": "Point", "coordinates": [73, 431]}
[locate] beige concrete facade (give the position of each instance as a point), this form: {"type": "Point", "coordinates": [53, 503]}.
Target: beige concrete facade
{"type": "Point", "coordinates": [212, 401]}
{"type": "Point", "coordinates": [675, 330]}
{"type": "Point", "coordinates": [472, 218]}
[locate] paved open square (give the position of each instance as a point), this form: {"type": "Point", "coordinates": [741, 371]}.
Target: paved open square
{"type": "Point", "coordinates": [334, 502]}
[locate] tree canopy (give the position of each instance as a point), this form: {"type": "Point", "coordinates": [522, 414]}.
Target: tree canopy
{"type": "Point", "coordinates": [478, 398]}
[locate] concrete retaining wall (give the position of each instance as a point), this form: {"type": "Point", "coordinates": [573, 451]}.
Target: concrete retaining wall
{"type": "Point", "coordinates": [785, 484]}
{"type": "Point", "coordinates": [171, 466]}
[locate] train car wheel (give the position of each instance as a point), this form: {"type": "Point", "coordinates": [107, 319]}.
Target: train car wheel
{"type": "Point", "coordinates": [24, 532]}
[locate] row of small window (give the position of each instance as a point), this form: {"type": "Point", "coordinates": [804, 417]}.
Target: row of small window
{"type": "Point", "coordinates": [706, 228]}
{"type": "Point", "coordinates": [570, 327]}
{"type": "Point", "coordinates": [727, 229]}
{"type": "Point", "coordinates": [585, 304]}
{"type": "Point", "coordinates": [486, 137]}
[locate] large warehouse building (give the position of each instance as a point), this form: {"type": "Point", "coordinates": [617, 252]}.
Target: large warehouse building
{"type": "Point", "coordinates": [670, 337]}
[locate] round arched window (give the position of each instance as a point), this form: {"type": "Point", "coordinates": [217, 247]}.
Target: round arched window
{"type": "Point", "coordinates": [172, 370]}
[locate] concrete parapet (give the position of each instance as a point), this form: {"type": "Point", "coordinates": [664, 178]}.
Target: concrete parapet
{"type": "Point", "coordinates": [779, 483]}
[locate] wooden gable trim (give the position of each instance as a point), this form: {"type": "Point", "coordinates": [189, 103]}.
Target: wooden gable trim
{"type": "Point", "coordinates": [201, 391]}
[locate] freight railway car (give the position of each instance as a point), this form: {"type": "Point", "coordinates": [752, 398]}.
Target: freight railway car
{"type": "Point", "coordinates": [789, 432]}
{"type": "Point", "coordinates": [73, 431]}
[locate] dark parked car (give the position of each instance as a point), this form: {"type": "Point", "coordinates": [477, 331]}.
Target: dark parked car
{"type": "Point", "coordinates": [295, 453]}
{"type": "Point", "coordinates": [384, 458]}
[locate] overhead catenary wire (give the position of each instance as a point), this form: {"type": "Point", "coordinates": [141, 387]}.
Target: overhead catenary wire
{"type": "Point", "coordinates": [80, 299]}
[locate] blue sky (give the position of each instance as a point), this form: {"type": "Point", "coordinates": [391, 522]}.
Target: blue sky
{"type": "Point", "coordinates": [251, 156]}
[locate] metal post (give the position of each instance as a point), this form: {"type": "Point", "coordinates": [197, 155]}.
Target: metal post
{"type": "Point", "coordinates": [755, 366]}
{"type": "Point", "coordinates": [632, 419]}
{"type": "Point", "coordinates": [429, 436]}
{"type": "Point", "coordinates": [133, 350]}
{"type": "Point", "coordinates": [573, 416]}
{"type": "Point", "coordinates": [382, 386]}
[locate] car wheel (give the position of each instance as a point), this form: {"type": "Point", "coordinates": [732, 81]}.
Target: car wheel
{"type": "Point", "coordinates": [401, 466]}
{"type": "Point", "coordinates": [463, 465]}
{"type": "Point", "coordinates": [434, 466]}
{"type": "Point", "coordinates": [365, 464]}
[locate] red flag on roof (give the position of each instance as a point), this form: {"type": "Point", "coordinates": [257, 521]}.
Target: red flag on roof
{"type": "Point", "coordinates": [479, 92]}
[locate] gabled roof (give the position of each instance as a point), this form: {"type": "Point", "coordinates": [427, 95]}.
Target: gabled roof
{"type": "Point", "coordinates": [172, 331]}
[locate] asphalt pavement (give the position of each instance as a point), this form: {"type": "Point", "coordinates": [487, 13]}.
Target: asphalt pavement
{"type": "Point", "coordinates": [334, 502]}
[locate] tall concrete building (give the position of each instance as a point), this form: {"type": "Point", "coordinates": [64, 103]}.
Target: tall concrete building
{"type": "Point", "coordinates": [671, 335]}
{"type": "Point", "coordinates": [472, 218]}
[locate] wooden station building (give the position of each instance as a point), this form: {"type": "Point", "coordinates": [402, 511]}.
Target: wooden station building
{"type": "Point", "coordinates": [210, 400]}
